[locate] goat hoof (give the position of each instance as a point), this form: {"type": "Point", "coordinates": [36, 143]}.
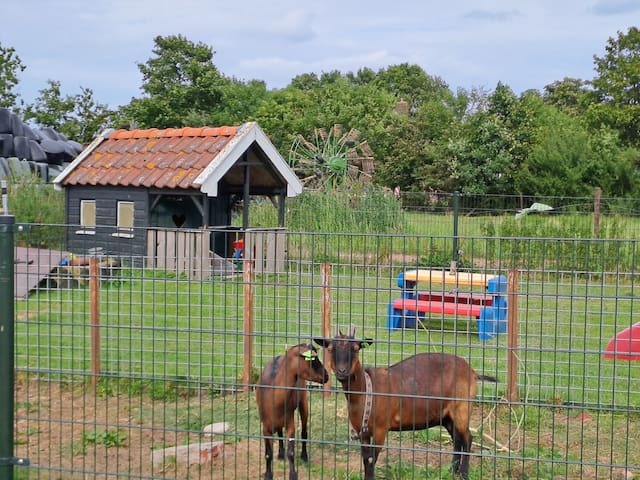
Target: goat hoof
{"type": "Point", "coordinates": [304, 457]}
{"type": "Point", "coordinates": [281, 456]}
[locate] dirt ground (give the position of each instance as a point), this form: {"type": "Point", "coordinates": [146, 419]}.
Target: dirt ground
{"type": "Point", "coordinates": [56, 427]}
{"type": "Point", "coordinates": [54, 420]}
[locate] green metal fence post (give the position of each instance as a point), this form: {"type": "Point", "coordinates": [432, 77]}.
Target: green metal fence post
{"type": "Point", "coordinates": [456, 213]}
{"type": "Point", "coordinates": [7, 228]}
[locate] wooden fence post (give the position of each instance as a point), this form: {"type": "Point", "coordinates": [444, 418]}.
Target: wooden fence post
{"type": "Point", "coordinates": [94, 295]}
{"type": "Point", "coordinates": [325, 271]}
{"type": "Point", "coordinates": [248, 277]}
{"type": "Point", "coordinates": [596, 212]}
{"type": "Point", "coordinates": [512, 337]}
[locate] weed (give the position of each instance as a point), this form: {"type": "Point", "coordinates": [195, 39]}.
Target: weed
{"type": "Point", "coordinates": [108, 438]}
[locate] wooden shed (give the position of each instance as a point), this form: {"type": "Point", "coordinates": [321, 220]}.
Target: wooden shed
{"type": "Point", "coordinates": [128, 182]}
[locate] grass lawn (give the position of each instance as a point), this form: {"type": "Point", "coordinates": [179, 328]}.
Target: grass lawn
{"type": "Point", "coordinates": [176, 347]}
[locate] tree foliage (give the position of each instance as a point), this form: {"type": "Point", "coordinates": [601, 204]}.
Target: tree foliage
{"type": "Point", "coordinates": [79, 116]}
{"type": "Point", "coordinates": [569, 94]}
{"type": "Point", "coordinates": [10, 67]}
{"type": "Point", "coordinates": [617, 87]}
{"type": "Point", "coordinates": [572, 136]}
{"type": "Point", "coordinates": [180, 83]}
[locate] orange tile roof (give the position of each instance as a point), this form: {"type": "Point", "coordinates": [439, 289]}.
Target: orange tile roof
{"type": "Point", "coordinates": [169, 158]}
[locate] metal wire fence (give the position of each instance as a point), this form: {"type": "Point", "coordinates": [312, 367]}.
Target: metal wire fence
{"type": "Point", "coordinates": [123, 371]}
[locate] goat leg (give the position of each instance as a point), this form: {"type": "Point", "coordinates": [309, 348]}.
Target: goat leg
{"type": "Point", "coordinates": [461, 449]}
{"type": "Point", "coordinates": [465, 457]}
{"type": "Point", "coordinates": [370, 452]}
{"type": "Point", "coordinates": [280, 445]}
{"type": "Point", "coordinates": [303, 408]}
{"type": "Point", "coordinates": [268, 456]}
{"type": "Point", "coordinates": [291, 447]}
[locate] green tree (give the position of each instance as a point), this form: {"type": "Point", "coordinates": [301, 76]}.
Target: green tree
{"type": "Point", "coordinates": [569, 94]}
{"type": "Point", "coordinates": [305, 82]}
{"type": "Point", "coordinates": [413, 84]}
{"type": "Point", "coordinates": [180, 82]}
{"type": "Point", "coordinates": [567, 158]}
{"type": "Point", "coordinates": [286, 112]}
{"type": "Point", "coordinates": [79, 117]}
{"type": "Point", "coordinates": [493, 142]}
{"type": "Point", "coordinates": [51, 108]}
{"type": "Point", "coordinates": [617, 87]}
{"type": "Point", "coordinates": [10, 67]}
{"type": "Point", "coordinates": [306, 104]}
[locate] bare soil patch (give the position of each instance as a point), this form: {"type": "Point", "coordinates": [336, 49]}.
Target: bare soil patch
{"type": "Point", "coordinates": [68, 432]}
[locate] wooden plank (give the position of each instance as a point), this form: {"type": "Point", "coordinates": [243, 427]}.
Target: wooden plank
{"type": "Point", "coordinates": [461, 309]}
{"type": "Point", "coordinates": [464, 298]}
{"type": "Point", "coordinates": [467, 279]}
{"type": "Point", "coordinates": [32, 266]}
{"type": "Point", "coordinates": [201, 261]}
{"type": "Point", "coordinates": [152, 244]}
{"type": "Point", "coordinates": [325, 272]}
{"type": "Point", "coordinates": [249, 278]}
{"type": "Point", "coordinates": [512, 338]}
{"type": "Point", "coordinates": [94, 289]}
{"type": "Point", "coordinates": [170, 250]}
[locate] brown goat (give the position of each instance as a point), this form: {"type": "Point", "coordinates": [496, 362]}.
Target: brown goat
{"type": "Point", "coordinates": [422, 391]}
{"type": "Point", "coordinates": [281, 390]}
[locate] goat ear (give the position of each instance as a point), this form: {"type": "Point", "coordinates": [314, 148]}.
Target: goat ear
{"type": "Point", "coordinates": [366, 342]}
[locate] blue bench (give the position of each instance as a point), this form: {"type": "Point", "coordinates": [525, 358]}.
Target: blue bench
{"type": "Point", "coordinates": [489, 309]}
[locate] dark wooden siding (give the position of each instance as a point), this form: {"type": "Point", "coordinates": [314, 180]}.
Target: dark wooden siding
{"type": "Point", "coordinates": [107, 199]}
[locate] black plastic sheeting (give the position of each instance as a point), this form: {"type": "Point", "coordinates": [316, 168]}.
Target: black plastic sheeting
{"type": "Point", "coordinates": [25, 150]}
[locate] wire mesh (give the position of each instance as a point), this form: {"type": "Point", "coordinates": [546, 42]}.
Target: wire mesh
{"type": "Point", "coordinates": [172, 358]}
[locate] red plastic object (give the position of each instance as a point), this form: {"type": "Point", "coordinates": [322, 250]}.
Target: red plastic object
{"type": "Point", "coordinates": [625, 345]}
{"type": "Point", "coordinates": [462, 309]}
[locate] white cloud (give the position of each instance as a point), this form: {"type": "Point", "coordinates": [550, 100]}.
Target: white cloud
{"type": "Point", "coordinates": [524, 45]}
{"type": "Point", "coordinates": [294, 25]}
{"type": "Point", "coordinates": [615, 7]}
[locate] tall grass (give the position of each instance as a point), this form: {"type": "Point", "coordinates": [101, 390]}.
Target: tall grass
{"type": "Point", "coordinates": [360, 209]}
{"type": "Point", "coordinates": [32, 201]}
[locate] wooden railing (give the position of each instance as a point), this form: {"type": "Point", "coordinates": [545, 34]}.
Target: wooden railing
{"type": "Point", "coordinates": [181, 251]}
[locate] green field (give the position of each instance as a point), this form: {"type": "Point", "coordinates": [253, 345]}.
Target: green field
{"type": "Point", "coordinates": [176, 347]}
{"type": "Point", "coordinates": [564, 324]}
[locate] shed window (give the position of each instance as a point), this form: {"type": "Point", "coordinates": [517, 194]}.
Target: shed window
{"type": "Point", "coordinates": [87, 217]}
{"type": "Point", "coordinates": [125, 219]}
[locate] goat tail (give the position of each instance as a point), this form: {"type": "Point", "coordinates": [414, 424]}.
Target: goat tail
{"type": "Point", "coordinates": [487, 378]}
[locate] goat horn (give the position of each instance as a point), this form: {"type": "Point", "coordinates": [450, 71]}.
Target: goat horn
{"type": "Point", "coordinates": [352, 330]}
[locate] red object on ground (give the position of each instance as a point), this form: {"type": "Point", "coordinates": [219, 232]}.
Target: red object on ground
{"type": "Point", "coordinates": [625, 345]}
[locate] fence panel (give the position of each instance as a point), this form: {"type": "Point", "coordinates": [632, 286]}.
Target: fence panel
{"type": "Point", "coordinates": [172, 361]}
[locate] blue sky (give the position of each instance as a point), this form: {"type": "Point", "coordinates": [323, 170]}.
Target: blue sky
{"type": "Point", "coordinates": [525, 44]}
